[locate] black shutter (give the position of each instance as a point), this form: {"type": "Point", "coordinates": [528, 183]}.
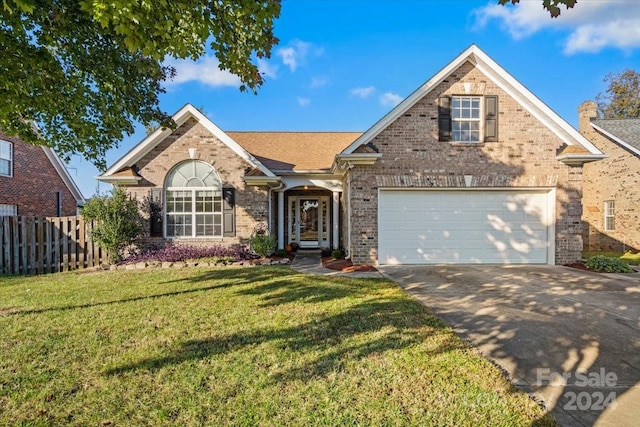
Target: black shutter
{"type": "Point", "coordinates": [444, 118]}
{"type": "Point", "coordinates": [155, 212]}
{"type": "Point", "coordinates": [229, 212]}
{"type": "Point", "coordinates": [491, 118]}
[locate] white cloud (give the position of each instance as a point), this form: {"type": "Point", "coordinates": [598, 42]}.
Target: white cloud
{"type": "Point", "coordinates": [390, 99]}
{"type": "Point", "coordinates": [205, 70]}
{"type": "Point", "coordinates": [362, 92]}
{"type": "Point", "coordinates": [296, 52]}
{"type": "Point", "coordinates": [593, 38]}
{"type": "Point", "coordinates": [592, 25]}
{"type": "Point", "coordinates": [319, 81]}
{"type": "Point", "coordinates": [267, 69]}
{"type": "Point", "coordinates": [303, 102]}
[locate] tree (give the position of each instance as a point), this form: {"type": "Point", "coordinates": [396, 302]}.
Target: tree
{"type": "Point", "coordinates": [76, 75]}
{"type": "Point", "coordinates": [117, 221]}
{"type": "Point", "coordinates": [622, 97]}
{"type": "Point", "coordinates": [553, 6]}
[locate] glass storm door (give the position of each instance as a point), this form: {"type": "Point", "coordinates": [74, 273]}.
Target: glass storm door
{"type": "Point", "coordinates": [309, 221]}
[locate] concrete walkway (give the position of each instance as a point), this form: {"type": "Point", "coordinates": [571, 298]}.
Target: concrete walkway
{"type": "Point", "coordinates": [309, 262]}
{"type": "Point", "coordinates": [570, 337]}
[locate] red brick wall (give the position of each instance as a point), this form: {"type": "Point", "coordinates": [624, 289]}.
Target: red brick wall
{"type": "Point", "coordinates": [34, 183]}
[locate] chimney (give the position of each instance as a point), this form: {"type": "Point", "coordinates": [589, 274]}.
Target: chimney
{"type": "Point", "coordinates": [586, 111]}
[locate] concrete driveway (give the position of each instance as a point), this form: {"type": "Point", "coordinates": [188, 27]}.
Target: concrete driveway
{"type": "Point", "coordinates": [571, 338]}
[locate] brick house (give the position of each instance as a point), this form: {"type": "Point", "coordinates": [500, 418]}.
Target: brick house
{"type": "Point", "coordinates": [34, 181]}
{"type": "Point", "coordinates": [611, 189]}
{"type": "Point", "coordinates": [470, 168]}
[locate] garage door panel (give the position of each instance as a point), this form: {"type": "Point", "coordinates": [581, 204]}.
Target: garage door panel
{"type": "Point", "coordinates": [426, 227]}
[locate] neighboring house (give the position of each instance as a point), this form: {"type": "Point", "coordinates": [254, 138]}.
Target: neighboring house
{"type": "Point", "coordinates": [470, 168]}
{"type": "Point", "coordinates": [34, 181]}
{"type": "Point", "coordinates": [611, 189]}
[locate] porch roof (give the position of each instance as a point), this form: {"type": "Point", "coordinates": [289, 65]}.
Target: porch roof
{"type": "Point", "coordinates": [295, 151]}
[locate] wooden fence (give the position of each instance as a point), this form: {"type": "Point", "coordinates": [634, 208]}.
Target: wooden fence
{"type": "Point", "coordinates": [37, 245]}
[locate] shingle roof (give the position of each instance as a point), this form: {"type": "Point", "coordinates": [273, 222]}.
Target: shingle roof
{"type": "Point", "coordinates": [627, 130]}
{"type": "Point", "coordinates": [295, 151]}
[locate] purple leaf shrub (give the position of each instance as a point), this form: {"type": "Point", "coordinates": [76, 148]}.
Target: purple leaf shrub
{"type": "Point", "coordinates": [175, 252]}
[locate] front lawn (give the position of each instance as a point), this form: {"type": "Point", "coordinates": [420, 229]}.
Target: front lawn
{"type": "Point", "coordinates": [252, 346]}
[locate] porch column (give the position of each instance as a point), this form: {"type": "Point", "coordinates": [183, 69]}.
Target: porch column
{"type": "Point", "coordinates": [336, 217]}
{"type": "Point", "coordinates": [280, 219]}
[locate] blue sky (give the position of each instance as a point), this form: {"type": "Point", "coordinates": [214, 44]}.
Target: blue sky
{"type": "Point", "coordinates": [341, 65]}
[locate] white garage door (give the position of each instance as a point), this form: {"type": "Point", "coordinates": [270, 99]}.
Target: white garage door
{"type": "Point", "coordinates": [490, 227]}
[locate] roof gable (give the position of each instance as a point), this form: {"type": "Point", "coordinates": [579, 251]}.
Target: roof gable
{"type": "Point", "coordinates": [64, 174]}
{"type": "Point", "coordinates": [184, 114]}
{"type": "Point", "coordinates": [625, 132]}
{"type": "Point", "coordinates": [58, 166]}
{"type": "Point", "coordinates": [501, 78]}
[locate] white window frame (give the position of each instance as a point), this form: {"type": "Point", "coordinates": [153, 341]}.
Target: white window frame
{"type": "Point", "coordinates": [609, 215]}
{"type": "Point", "coordinates": [213, 218]}
{"type": "Point", "coordinates": [215, 215]}
{"type": "Point", "coordinates": [456, 113]}
{"type": "Point", "coordinates": [10, 159]}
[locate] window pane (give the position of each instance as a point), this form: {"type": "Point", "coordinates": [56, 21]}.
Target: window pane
{"type": "Point", "coordinates": [179, 225]}
{"type": "Point", "coordinates": [5, 150]}
{"type": "Point", "coordinates": [204, 225]}
{"type": "Point", "coordinates": [466, 118]}
{"type": "Point", "coordinates": [5, 167]}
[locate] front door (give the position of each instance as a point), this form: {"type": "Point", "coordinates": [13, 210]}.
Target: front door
{"type": "Point", "coordinates": [309, 221]}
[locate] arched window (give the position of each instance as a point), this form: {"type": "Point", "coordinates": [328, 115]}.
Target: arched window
{"type": "Point", "coordinates": [193, 201]}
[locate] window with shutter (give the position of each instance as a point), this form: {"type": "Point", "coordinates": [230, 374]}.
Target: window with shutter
{"type": "Point", "coordinates": [468, 119]}
{"type": "Point", "coordinates": [193, 201]}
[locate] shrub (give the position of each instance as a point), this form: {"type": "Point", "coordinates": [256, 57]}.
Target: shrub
{"type": "Point", "coordinates": [608, 264]}
{"type": "Point", "coordinates": [325, 252]}
{"type": "Point", "coordinates": [337, 253]}
{"type": "Point", "coordinates": [117, 221]}
{"type": "Point", "coordinates": [280, 253]}
{"type": "Point", "coordinates": [263, 244]}
{"type": "Point", "coordinates": [171, 252]}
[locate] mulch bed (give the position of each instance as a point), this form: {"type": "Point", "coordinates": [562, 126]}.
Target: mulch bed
{"type": "Point", "coordinates": [580, 266]}
{"type": "Point", "coordinates": [345, 265]}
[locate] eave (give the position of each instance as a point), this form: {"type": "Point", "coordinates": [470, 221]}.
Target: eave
{"type": "Point", "coordinates": [579, 159]}
{"type": "Point", "coordinates": [347, 161]}
{"type": "Point", "coordinates": [263, 181]}
{"type": "Point", "coordinates": [120, 180]}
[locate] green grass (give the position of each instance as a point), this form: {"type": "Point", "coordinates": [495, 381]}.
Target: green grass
{"type": "Point", "coordinates": [254, 346]}
{"type": "Point", "coordinates": [629, 257]}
